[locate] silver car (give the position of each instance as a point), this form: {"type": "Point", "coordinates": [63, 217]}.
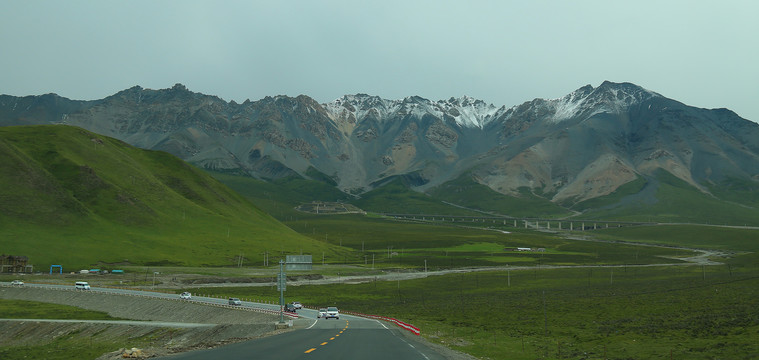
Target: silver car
{"type": "Point", "coordinates": [332, 312]}
{"type": "Point", "coordinates": [235, 301]}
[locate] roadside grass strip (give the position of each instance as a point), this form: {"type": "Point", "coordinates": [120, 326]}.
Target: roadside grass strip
{"type": "Point", "coordinates": [402, 324]}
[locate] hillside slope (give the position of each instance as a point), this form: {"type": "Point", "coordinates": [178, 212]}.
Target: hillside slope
{"type": "Point", "coordinates": [72, 197]}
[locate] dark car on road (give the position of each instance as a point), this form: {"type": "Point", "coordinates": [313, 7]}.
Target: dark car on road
{"type": "Point", "coordinates": [290, 308]}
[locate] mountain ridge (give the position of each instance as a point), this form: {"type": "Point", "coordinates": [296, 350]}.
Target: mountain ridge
{"type": "Point", "coordinates": [578, 147]}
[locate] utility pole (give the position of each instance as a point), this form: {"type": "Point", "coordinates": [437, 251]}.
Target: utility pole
{"type": "Point", "coordinates": [281, 283]}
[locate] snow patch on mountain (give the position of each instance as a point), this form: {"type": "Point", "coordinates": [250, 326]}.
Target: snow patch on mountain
{"type": "Point", "coordinates": [466, 112]}
{"type": "Point", "coordinates": [607, 98]}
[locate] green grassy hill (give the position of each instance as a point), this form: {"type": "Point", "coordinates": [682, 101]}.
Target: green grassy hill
{"type": "Point", "coordinates": [79, 199]}
{"type": "Point", "coordinates": [466, 192]}
{"type": "Point", "coordinates": [397, 197]}
{"type": "Point", "coordinates": [678, 202]}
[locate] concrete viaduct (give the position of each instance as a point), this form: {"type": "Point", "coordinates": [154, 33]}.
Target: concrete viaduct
{"type": "Point", "coordinates": [528, 223]}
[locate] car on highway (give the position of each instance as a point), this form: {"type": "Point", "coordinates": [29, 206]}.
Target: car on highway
{"type": "Point", "coordinates": [322, 312]}
{"type": "Point", "coordinates": [81, 285]}
{"type": "Point", "coordinates": [332, 312]}
{"type": "Point", "coordinates": [235, 301]}
{"type": "Point", "coordinates": [17, 283]}
{"type": "Point", "coordinates": [185, 296]}
{"type": "Point", "coordinates": [297, 305]}
{"type": "Point", "coordinates": [290, 308]}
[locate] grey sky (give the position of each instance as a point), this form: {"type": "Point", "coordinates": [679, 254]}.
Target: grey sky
{"type": "Point", "coordinates": [702, 53]}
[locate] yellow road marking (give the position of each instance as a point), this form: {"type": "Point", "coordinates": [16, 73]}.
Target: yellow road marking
{"type": "Point", "coordinates": [332, 338]}
{"type": "Point", "coordinates": [324, 343]}
{"type": "Point", "coordinates": [310, 350]}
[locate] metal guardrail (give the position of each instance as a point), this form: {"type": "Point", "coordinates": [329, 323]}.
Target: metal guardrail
{"type": "Point", "coordinates": [401, 324]}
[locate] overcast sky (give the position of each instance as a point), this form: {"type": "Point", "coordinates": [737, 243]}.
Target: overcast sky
{"type": "Point", "coordinates": [702, 53]}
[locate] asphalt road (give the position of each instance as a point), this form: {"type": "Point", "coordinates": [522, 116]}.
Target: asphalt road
{"type": "Point", "coordinates": [350, 337]}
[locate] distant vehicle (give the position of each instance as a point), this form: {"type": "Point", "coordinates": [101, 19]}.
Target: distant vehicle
{"type": "Point", "coordinates": [297, 305]}
{"type": "Point", "coordinates": [235, 301]}
{"type": "Point", "coordinates": [185, 296]}
{"type": "Point", "coordinates": [290, 308]}
{"type": "Point", "coordinates": [332, 312]}
{"type": "Point", "coordinates": [82, 285]}
{"type": "Point", "coordinates": [321, 313]}
{"type": "Point", "coordinates": [17, 282]}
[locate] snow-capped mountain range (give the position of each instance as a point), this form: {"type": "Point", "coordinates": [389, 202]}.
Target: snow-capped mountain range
{"type": "Point", "coordinates": [464, 111]}
{"type": "Point", "coordinates": [578, 147]}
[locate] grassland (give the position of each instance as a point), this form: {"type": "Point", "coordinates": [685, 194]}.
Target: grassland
{"type": "Point", "coordinates": [589, 313]}
{"type": "Point", "coordinates": [466, 192]}
{"type": "Point", "coordinates": [22, 309]}
{"type": "Point", "coordinates": [397, 197]}
{"type": "Point", "coordinates": [604, 308]}
{"type": "Point", "coordinates": [678, 202]}
{"type": "Point", "coordinates": [67, 347]}
{"type": "Point", "coordinates": [75, 198]}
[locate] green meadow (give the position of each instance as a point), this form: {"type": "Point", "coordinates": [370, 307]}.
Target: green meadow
{"type": "Point", "coordinates": [24, 309]}
{"type": "Point", "coordinates": [582, 313]}
{"type": "Point", "coordinates": [615, 301]}
{"type": "Point", "coordinates": [78, 199]}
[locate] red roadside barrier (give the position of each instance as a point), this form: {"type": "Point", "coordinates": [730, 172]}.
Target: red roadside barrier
{"type": "Point", "coordinates": [402, 324]}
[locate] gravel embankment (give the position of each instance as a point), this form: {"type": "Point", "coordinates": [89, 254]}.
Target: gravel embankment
{"type": "Point", "coordinates": [224, 325]}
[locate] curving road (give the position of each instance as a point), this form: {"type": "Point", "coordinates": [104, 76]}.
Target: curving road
{"type": "Point", "coordinates": [350, 337]}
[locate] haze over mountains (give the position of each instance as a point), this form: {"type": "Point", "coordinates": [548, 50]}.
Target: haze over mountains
{"type": "Point", "coordinates": [585, 145]}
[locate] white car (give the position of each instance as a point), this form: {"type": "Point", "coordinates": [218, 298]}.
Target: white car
{"type": "Point", "coordinates": [321, 313]}
{"type": "Point", "coordinates": [297, 305]}
{"type": "Point", "coordinates": [235, 302]}
{"type": "Point", "coordinates": [332, 312]}
{"type": "Point", "coordinates": [185, 296]}
{"type": "Point", "coordinates": [17, 283]}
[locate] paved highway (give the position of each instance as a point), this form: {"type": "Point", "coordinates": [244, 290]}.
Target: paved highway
{"type": "Point", "coordinates": [350, 337]}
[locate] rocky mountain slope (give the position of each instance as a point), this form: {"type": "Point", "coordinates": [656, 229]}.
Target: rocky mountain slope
{"type": "Point", "coordinates": [582, 146]}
